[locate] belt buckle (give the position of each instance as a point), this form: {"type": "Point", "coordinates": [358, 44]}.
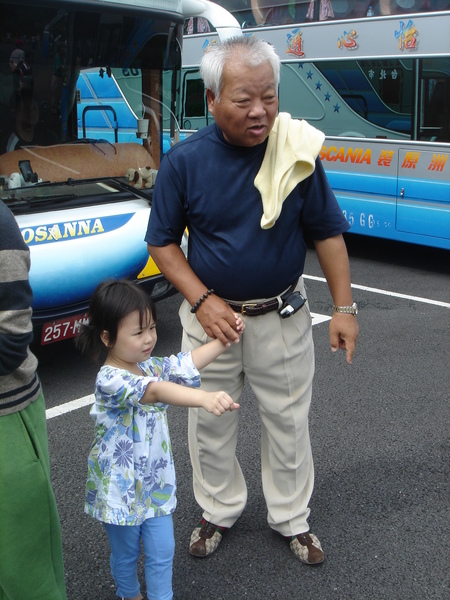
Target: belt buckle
{"type": "Point", "coordinates": [247, 305]}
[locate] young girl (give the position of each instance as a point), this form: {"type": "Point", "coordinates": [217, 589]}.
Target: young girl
{"type": "Point", "coordinates": [131, 479]}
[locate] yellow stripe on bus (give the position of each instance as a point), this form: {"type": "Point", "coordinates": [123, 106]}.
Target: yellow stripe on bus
{"type": "Point", "coordinates": [150, 269]}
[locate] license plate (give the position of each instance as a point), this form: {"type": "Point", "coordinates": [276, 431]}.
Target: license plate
{"type": "Point", "coordinates": [62, 329]}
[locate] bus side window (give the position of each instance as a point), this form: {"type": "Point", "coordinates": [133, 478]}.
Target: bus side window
{"type": "Point", "coordinates": [435, 109]}
{"type": "Point", "coordinates": [195, 110]}
{"type": "Point", "coordinates": [195, 98]}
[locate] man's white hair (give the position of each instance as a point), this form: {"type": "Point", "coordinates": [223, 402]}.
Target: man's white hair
{"type": "Point", "coordinates": [252, 51]}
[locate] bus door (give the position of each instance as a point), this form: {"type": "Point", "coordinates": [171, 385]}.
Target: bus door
{"type": "Point", "coordinates": [423, 192]}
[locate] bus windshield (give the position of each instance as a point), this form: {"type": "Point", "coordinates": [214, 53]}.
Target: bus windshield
{"type": "Point", "coordinates": [80, 79]}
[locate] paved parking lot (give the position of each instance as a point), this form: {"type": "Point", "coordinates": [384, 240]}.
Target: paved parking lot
{"type": "Point", "coordinates": [379, 432]}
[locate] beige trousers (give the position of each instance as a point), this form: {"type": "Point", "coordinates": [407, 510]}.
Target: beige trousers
{"type": "Point", "coordinates": [277, 357]}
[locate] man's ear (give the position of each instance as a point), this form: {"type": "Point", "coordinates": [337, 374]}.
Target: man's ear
{"type": "Point", "coordinates": [104, 336]}
{"type": "Point", "coordinates": [212, 100]}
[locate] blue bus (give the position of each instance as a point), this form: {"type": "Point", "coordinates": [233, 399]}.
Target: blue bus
{"type": "Point", "coordinates": [375, 78]}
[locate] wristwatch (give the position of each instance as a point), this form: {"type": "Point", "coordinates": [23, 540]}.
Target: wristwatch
{"type": "Point", "coordinates": [348, 310]}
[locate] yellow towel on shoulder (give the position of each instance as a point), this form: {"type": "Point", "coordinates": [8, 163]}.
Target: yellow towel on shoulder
{"type": "Point", "coordinates": [290, 156]}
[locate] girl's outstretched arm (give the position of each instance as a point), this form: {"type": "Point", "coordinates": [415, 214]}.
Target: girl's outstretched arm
{"type": "Point", "coordinates": [178, 395]}
{"type": "Point", "coordinates": [205, 354]}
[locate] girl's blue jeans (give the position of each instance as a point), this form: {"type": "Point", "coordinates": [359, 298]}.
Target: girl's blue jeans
{"type": "Point", "coordinates": [159, 545]}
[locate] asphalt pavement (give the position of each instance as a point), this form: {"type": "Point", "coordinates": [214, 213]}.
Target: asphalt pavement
{"type": "Point", "coordinates": [379, 431]}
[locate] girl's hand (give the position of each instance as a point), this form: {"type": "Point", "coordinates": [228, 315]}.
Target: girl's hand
{"type": "Point", "coordinates": [240, 325]}
{"type": "Point", "coordinates": [218, 402]}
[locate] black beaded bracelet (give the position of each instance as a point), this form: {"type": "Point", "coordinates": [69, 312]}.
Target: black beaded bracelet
{"type": "Point", "coordinates": [200, 300]}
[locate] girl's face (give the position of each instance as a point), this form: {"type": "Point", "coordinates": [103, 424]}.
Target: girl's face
{"type": "Point", "coordinates": [134, 343]}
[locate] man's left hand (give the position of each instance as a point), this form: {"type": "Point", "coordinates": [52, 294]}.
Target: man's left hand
{"type": "Point", "coordinates": [343, 334]}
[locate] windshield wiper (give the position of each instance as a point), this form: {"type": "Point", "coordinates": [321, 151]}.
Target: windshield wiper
{"type": "Point", "coordinates": [33, 203]}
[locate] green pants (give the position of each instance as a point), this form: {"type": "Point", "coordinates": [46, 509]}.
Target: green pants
{"type": "Point", "coordinates": [31, 562]}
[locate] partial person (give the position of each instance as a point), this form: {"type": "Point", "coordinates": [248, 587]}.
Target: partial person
{"type": "Point", "coordinates": [31, 558]}
{"type": "Point", "coordinates": [249, 188]}
{"type": "Point", "coordinates": [131, 479]}
{"type": "Point", "coordinates": [17, 56]}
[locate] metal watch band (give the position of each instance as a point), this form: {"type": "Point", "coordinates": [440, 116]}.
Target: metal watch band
{"type": "Point", "coordinates": [349, 310]}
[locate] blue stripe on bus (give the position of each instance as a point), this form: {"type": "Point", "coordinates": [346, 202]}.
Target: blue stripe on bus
{"type": "Point", "coordinates": [385, 185]}
{"type": "Point", "coordinates": [426, 190]}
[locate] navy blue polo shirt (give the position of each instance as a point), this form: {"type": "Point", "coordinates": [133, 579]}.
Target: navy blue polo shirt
{"type": "Point", "coordinates": [207, 185]}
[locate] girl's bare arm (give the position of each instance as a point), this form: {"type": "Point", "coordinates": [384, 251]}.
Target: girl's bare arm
{"type": "Point", "coordinates": [179, 395]}
{"type": "Point", "coordinates": [205, 354]}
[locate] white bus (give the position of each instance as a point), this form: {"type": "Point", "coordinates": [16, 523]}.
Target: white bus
{"type": "Point", "coordinates": [76, 165]}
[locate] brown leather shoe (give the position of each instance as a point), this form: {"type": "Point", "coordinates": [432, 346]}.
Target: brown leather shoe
{"type": "Point", "coordinates": [205, 538]}
{"type": "Point", "coordinates": [307, 548]}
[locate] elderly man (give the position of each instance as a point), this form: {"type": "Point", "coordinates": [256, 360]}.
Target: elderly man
{"type": "Point", "coordinates": [248, 188]}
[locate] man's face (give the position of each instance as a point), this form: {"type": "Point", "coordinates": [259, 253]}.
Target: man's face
{"type": "Point", "coordinates": [248, 103]}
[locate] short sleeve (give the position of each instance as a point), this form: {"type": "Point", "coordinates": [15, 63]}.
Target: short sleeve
{"type": "Point", "coordinates": [120, 389]}
{"type": "Point", "coordinates": [167, 220]}
{"type": "Point", "coordinates": [177, 368]}
{"type": "Point", "coordinates": [322, 216]}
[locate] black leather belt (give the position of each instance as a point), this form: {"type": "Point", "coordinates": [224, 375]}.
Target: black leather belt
{"type": "Point", "coordinates": [253, 309]}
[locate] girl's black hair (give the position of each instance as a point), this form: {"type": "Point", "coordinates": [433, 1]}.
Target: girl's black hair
{"type": "Point", "coordinates": [111, 302]}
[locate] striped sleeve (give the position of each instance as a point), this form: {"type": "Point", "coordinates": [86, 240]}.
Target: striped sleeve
{"type": "Point", "coordinates": [19, 384]}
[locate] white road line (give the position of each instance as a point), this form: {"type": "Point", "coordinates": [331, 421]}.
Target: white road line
{"type": "Point", "coordinates": [56, 411]}
{"type": "Point", "coordinates": [387, 293]}
{"type": "Point", "coordinates": [317, 318]}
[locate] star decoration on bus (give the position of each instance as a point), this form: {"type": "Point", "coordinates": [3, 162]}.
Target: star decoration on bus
{"type": "Point", "coordinates": [336, 107]}
{"type": "Point", "coordinates": [309, 74]}
{"type": "Point", "coordinates": [327, 97]}
{"type": "Point", "coordinates": [318, 85]}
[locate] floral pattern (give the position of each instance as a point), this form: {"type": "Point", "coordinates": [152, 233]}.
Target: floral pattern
{"type": "Point", "coordinates": [131, 475]}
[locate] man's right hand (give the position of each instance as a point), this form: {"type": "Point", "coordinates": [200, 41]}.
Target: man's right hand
{"type": "Point", "coordinates": [218, 319]}
{"type": "Point", "coordinates": [214, 314]}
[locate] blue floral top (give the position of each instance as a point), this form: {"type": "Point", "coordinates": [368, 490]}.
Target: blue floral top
{"type": "Point", "coordinates": [131, 475]}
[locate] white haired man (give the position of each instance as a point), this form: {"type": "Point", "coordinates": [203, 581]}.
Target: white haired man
{"type": "Point", "coordinates": [248, 204]}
